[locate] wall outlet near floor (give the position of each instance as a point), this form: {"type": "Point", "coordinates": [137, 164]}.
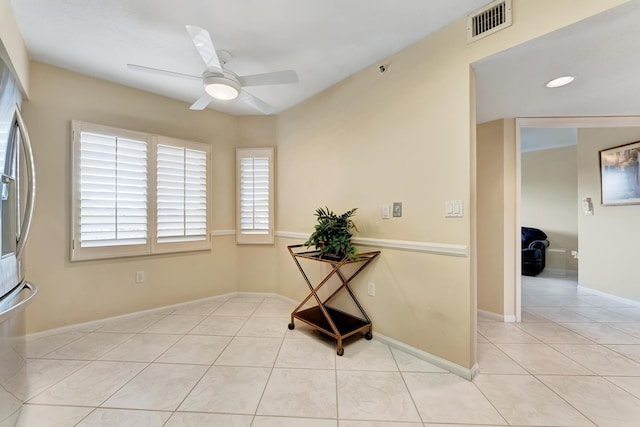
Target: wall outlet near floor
{"type": "Point", "coordinates": [140, 277]}
{"type": "Point", "coordinates": [371, 289]}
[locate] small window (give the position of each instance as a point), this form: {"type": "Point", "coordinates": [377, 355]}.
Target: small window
{"type": "Point", "coordinates": [118, 175]}
{"type": "Point", "coordinates": [255, 183]}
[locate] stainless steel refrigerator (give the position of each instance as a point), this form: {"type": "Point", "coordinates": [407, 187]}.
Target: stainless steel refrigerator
{"type": "Point", "coordinates": [17, 195]}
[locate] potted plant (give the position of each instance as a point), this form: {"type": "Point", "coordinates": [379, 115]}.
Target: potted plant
{"type": "Point", "coordinates": [332, 234]}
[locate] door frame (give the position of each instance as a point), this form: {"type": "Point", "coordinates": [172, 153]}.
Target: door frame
{"type": "Point", "coordinates": [551, 122]}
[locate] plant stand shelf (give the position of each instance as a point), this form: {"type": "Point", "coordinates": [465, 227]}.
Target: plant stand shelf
{"type": "Point", "coordinates": [326, 319]}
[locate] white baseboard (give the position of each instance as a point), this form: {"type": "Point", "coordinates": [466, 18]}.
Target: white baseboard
{"type": "Point", "coordinates": [93, 324]}
{"type": "Point", "coordinates": [475, 370]}
{"type": "Point", "coordinates": [509, 318]}
{"type": "Point", "coordinates": [256, 294]}
{"type": "Point", "coordinates": [445, 364]}
{"type": "Point", "coordinates": [506, 318]}
{"type": "Point", "coordinates": [560, 273]}
{"type": "Point", "coordinates": [611, 296]}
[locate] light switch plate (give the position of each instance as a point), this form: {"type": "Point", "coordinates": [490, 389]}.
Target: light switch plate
{"type": "Point", "coordinates": [397, 209]}
{"type": "Point", "coordinates": [386, 212]}
{"type": "Point", "coordinates": [453, 209]}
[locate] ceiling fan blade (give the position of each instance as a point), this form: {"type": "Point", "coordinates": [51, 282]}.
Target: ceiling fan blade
{"type": "Point", "coordinates": [202, 40]}
{"type": "Point", "coordinates": [275, 78]}
{"type": "Point", "coordinates": [256, 103]}
{"type": "Point", "coordinates": [201, 103]}
{"type": "Point", "coordinates": [151, 70]}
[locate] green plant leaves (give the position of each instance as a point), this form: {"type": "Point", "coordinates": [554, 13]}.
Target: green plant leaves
{"type": "Point", "coordinates": [332, 234]}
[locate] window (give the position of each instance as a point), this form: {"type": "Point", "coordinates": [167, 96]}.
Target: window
{"type": "Point", "coordinates": [181, 195]}
{"type": "Point", "coordinates": [255, 183]}
{"type": "Point", "coordinates": [137, 194]}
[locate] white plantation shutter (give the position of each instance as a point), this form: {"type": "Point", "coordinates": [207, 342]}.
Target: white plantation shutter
{"type": "Point", "coordinates": [113, 190]}
{"type": "Point", "coordinates": [255, 195]}
{"type": "Point", "coordinates": [137, 194]}
{"type": "Point", "coordinates": [181, 194]}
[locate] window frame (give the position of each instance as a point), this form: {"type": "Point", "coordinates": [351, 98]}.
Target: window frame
{"type": "Point", "coordinates": [250, 238]}
{"type": "Point", "coordinates": [152, 246]}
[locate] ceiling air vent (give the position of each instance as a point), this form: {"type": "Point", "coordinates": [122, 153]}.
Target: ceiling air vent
{"type": "Point", "coordinates": [491, 18]}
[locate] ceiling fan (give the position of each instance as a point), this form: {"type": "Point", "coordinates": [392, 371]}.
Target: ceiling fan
{"type": "Point", "coordinates": [219, 82]}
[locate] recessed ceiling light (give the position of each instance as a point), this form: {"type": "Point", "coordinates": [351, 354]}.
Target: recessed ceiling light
{"type": "Point", "coordinates": [560, 81]}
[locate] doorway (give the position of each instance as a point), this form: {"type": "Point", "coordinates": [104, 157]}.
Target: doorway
{"type": "Point", "coordinates": [522, 126]}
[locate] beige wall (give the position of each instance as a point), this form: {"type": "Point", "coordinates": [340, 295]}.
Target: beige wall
{"type": "Point", "coordinates": [372, 140]}
{"type": "Point", "coordinates": [256, 264]}
{"type": "Point", "coordinates": [12, 48]}
{"type": "Point", "coordinates": [609, 239]}
{"type": "Point", "coordinates": [407, 135]}
{"type": "Point", "coordinates": [549, 201]}
{"type": "Point", "coordinates": [496, 211]}
{"type": "Point", "coordinates": [82, 291]}
{"type": "Point", "coordinates": [404, 136]}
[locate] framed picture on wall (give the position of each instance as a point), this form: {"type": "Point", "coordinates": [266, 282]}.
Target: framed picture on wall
{"type": "Point", "coordinates": [619, 175]}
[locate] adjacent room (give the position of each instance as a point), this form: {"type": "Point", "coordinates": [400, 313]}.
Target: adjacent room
{"type": "Point", "coordinates": [178, 171]}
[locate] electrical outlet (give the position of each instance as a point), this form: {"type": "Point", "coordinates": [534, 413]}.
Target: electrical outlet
{"type": "Point", "coordinates": [140, 277]}
{"type": "Point", "coordinates": [371, 289]}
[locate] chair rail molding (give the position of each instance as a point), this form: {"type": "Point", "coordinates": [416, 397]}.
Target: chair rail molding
{"type": "Point", "coordinates": [221, 233]}
{"type": "Point", "coordinates": [404, 245]}
{"type": "Point", "coordinates": [448, 249]}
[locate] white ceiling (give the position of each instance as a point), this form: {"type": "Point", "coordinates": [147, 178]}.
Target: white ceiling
{"type": "Point", "coordinates": [325, 41]}
{"type": "Point", "coordinates": [535, 139]}
{"type": "Point", "coordinates": [329, 40]}
{"type": "Point", "coordinates": [602, 52]}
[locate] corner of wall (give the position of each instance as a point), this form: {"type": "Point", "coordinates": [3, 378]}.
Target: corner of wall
{"type": "Point", "coordinates": [12, 47]}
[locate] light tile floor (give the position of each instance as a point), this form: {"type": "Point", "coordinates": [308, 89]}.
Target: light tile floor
{"type": "Point", "coordinates": [574, 361]}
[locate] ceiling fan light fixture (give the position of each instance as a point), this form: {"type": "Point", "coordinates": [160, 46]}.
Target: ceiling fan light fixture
{"type": "Point", "coordinates": [221, 88]}
{"type": "Point", "coordinates": [560, 81]}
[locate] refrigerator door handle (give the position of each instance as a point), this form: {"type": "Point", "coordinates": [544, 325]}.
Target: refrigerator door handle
{"type": "Point", "coordinates": [31, 183]}
{"type": "Point", "coordinates": [4, 315]}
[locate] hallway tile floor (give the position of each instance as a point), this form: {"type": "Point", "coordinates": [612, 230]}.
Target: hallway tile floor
{"type": "Point", "coordinates": [573, 361]}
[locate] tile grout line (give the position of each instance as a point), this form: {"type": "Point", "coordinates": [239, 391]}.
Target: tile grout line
{"type": "Point", "coordinates": [508, 357]}
{"type": "Point", "coordinates": [595, 374]}
{"type": "Point", "coordinates": [84, 335]}
{"type": "Point", "coordinates": [255, 412]}
{"type": "Point", "coordinates": [186, 396]}
{"type": "Point", "coordinates": [149, 363]}
{"type": "Point", "coordinates": [565, 400]}
{"type": "Point", "coordinates": [404, 381]}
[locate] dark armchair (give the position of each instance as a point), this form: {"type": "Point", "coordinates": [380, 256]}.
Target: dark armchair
{"type": "Point", "coordinates": [534, 248]}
